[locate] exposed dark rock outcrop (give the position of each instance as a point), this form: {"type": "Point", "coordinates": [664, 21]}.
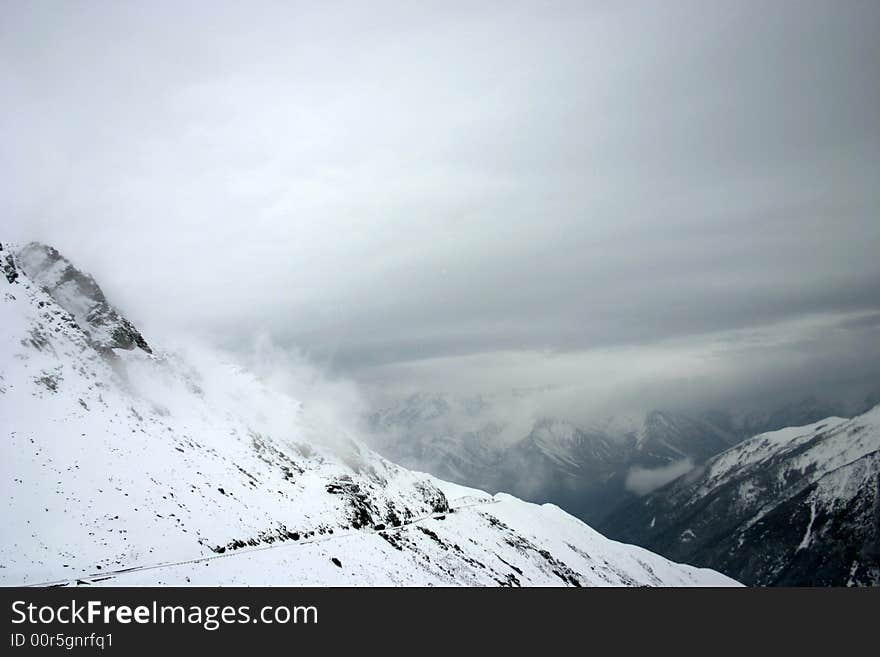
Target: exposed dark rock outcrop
{"type": "Point", "coordinates": [7, 265]}
{"type": "Point", "coordinates": [80, 295]}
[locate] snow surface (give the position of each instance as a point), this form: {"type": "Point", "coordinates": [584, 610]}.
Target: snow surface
{"type": "Point", "coordinates": [829, 468]}
{"type": "Point", "coordinates": [187, 469]}
{"type": "Point", "coordinates": [814, 449]}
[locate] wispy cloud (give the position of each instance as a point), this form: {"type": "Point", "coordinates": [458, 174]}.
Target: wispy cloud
{"type": "Point", "coordinates": [642, 481]}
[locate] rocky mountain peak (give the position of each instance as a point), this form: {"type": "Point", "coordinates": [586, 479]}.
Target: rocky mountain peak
{"type": "Point", "coordinates": [80, 295]}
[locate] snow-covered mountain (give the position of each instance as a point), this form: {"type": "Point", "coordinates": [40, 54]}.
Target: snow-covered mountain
{"type": "Point", "coordinates": [798, 506]}
{"type": "Point", "coordinates": [125, 464]}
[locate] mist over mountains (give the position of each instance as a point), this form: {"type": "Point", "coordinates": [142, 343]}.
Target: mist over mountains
{"type": "Point", "coordinates": [789, 496]}
{"type": "Point", "coordinates": [589, 469]}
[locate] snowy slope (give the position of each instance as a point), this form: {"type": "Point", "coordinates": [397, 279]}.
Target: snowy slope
{"type": "Point", "coordinates": [188, 469]}
{"type": "Point", "coordinates": [796, 506]}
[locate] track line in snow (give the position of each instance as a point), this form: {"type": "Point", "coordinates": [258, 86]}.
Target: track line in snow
{"type": "Point", "coordinates": [85, 580]}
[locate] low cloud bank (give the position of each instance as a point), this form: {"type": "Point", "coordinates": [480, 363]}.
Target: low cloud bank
{"type": "Point", "coordinates": [642, 481]}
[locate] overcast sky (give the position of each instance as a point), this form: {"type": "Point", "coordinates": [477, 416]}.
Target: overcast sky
{"type": "Point", "coordinates": [618, 198]}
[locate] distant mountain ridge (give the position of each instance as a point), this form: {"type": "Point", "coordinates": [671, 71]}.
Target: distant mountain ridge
{"type": "Point", "coordinates": [585, 469]}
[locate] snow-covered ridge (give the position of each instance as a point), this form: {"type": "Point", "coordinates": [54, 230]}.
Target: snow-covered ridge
{"type": "Point", "coordinates": [812, 450]}
{"type": "Point", "coordinates": [186, 468]}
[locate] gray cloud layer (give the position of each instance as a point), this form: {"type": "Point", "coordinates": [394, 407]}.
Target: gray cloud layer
{"type": "Point", "coordinates": [492, 194]}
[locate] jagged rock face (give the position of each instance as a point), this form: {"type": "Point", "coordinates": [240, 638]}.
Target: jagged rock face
{"type": "Point", "coordinates": [798, 506]}
{"type": "Point", "coordinates": [79, 294]}
{"type": "Point", "coordinates": [7, 265]}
